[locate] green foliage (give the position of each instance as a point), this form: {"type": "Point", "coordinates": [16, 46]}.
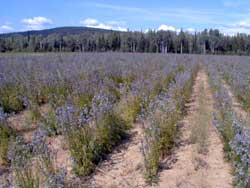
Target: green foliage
{"type": "Point", "coordinates": [26, 179]}
{"type": "Point", "coordinates": [164, 84]}
{"type": "Point", "coordinates": [168, 133]}
{"type": "Point", "coordinates": [183, 95]}
{"type": "Point", "coordinates": [110, 130]}
{"type": "Point", "coordinates": [83, 100]}
{"type": "Point", "coordinates": [170, 78]}
{"type": "Point", "coordinates": [159, 144]}
{"type": "Point", "coordinates": [82, 144]}
{"type": "Point", "coordinates": [152, 163]}
{"type": "Point", "coordinates": [160, 137]}
{"type": "Point", "coordinates": [200, 123]}
{"type": "Point", "coordinates": [225, 118]}
{"type": "Point", "coordinates": [226, 77]}
{"type": "Point", "coordinates": [105, 40]}
{"type": "Point", "coordinates": [35, 112]}
{"type": "Point", "coordinates": [58, 95]}
{"type": "Point", "coordinates": [89, 146]}
{"type": "Point", "coordinates": [180, 69]}
{"type": "Point", "coordinates": [245, 100]}
{"type": "Point", "coordinates": [50, 123]}
{"type": "Point", "coordinates": [129, 107]}
{"type": "Point", "coordinates": [117, 79]}
{"type": "Point", "coordinates": [6, 135]}
{"type": "Point", "coordinates": [23, 167]}
{"type": "Point", "coordinates": [32, 168]}
{"type": "Point", "coordinates": [115, 92]}
{"type": "Point", "coordinates": [42, 95]}
{"type": "Point", "coordinates": [9, 99]}
{"type": "Point", "coordinates": [158, 87]}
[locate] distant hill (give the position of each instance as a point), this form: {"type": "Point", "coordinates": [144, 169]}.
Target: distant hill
{"type": "Point", "coordinates": [59, 30]}
{"type": "Point", "coordinates": [85, 39]}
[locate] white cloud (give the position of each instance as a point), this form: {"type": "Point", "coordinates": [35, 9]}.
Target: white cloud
{"type": "Point", "coordinates": [242, 26]}
{"type": "Point", "coordinates": [232, 31]}
{"type": "Point", "coordinates": [5, 29]}
{"type": "Point", "coordinates": [190, 30]}
{"type": "Point", "coordinates": [36, 23]}
{"type": "Point", "coordinates": [111, 25]}
{"type": "Point", "coordinates": [89, 21]}
{"type": "Point", "coordinates": [119, 7]}
{"type": "Point", "coordinates": [166, 28]}
{"type": "Point", "coordinates": [244, 23]}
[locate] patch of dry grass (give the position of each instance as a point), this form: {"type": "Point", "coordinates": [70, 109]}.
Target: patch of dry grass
{"type": "Point", "coordinates": [200, 123]}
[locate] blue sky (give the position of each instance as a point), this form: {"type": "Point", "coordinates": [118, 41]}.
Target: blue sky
{"type": "Point", "coordinates": [230, 16]}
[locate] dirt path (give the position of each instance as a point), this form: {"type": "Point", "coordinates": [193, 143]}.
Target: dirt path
{"type": "Point", "coordinates": [237, 107]}
{"type": "Point", "coordinates": [61, 154]}
{"type": "Point", "coordinates": [23, 124]}
{"type": "Point", "coordinates": [192, 169]}
{"type": "Point", "coordinates": [124, 167]}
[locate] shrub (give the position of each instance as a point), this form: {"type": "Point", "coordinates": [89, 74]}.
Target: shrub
{"type": "Point", "coordinates": [168, 132]}
{"type": "Point", "coordinates": [10, 99]}
{"type": "Point", "coordinates": [82, 143]}
{"type": "Point", "coordinates": [32, 164]}
{"type": "Point", "coordinates": [49, 123]}
{"type": "Point", "coordinates": [83, 100]}
{"type": "Point", "coordinates": [160, 128]}
{"type": "Point", "coordinates": [35, 112]}
{"type": "Point", "coordinates": [6, 135]}
{"type": "Point", "coordinates": [111, 129]}
{"type": "Point", "coordinates": [150, 151]}
{"type": "Point", "coordinates": [129, 108]}
{"type": "Point", "coordinates": [21, 163]}
{"type": "Point", "coordinates": [91, 142]}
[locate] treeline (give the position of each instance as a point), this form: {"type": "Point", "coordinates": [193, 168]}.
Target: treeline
{"type": "Point", "coordinates": [206, 42]}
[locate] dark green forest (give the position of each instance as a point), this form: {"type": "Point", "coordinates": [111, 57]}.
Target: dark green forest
{"type": "Point", "coordinates": [83, 39]}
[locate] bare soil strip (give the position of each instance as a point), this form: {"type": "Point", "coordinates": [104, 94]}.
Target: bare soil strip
{"type": "Point", "coordinates": [237, 107]}
{"type": "Point", "coordinates": [61, 154]}
{"type": "Point", "coordinates": [191, 169]}
{"type": "Point", "coordinates": [124, 167]}
{"type": "Point", "coordinates": [23, 124]}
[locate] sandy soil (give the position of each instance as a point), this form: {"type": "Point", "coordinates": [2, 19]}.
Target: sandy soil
{"type": "Point", "coordinates": [124, 167]}
{"type": "Point", "coordinates": [61, 154]}
{"type": "Point", "coordinates": [212, 171]}
{"type": "Point", "coordinates": [22, 123]}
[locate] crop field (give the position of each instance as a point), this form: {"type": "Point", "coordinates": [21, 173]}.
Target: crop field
{"type": "Point", "coordinates": [111, 120]}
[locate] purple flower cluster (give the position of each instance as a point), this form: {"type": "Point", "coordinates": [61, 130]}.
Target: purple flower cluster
{"type": "Point", "coordinates": [163, 113]}
{"type": "Point", "coordinates": [2, 116]}
{"type": "Point", "coordinates": [234, 131]}
{"type": "Point", "coordinates": [24, 156]}
{"type": "Point", "coordinates": [235, 72]}
{"type": "Point", "coordinates": [241, 152]}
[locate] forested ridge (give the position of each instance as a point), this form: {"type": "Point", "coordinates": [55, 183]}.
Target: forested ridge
{"type": "Point", "coordinates": [83, 39]}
